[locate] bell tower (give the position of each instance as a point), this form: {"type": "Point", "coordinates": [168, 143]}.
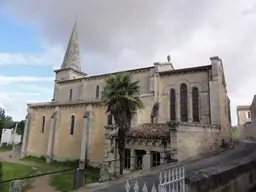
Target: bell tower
{"type": "Point", "coordinates": [71, 65]}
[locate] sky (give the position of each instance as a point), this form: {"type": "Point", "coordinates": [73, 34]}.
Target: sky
{"type": "Point", "coordinates": [118, 35]}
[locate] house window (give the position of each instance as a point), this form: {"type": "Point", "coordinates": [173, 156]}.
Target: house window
{"type": "Point", "coordinates": [172, 105]}
{"type": "Point", "coordinates": [195, 104]}
{"type": "Point", "coordinates": [70, 94]}
{"type": "Point", "coordinates": [183, 102]}
{"type": "Point", "coordinates": [110, 119]}
{"type": "Point", "coordinates": [43, 124]}
{"type": "Point", "coordinates": [97, 92]}
{"type": "Point", "coordinates": [155, 159]}
{"type": "Point", "coordinates": [72, 127]}
{"type": "Point", "coordinates": [127, 159]}
{"type": "Point", "coordinates": [249, 114]}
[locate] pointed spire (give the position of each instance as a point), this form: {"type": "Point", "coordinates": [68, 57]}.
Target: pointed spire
{"type": "Point", "coordinates": [72, 56]}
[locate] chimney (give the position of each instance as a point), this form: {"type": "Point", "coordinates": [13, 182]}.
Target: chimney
{"type": "Point", "coordinates": [216, 65]}
{"type": "Point", "coordinates": [215, 60]}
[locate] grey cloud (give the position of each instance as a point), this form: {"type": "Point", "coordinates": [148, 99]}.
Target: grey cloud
{"type": "Point", "coordinates": [115, 34]}
{"type": "Point", "coordinates": [109, 27]}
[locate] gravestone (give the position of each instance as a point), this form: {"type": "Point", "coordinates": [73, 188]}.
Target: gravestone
{"type": "Point", "coordinates": [15, 186]}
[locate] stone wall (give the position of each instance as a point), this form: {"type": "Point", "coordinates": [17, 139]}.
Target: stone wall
{"type": "Point", "coordinates": [143, 142]}
{"type": "Point", "coordinates": [248, 129]}
{"type": "Point", "coordinates": [237, 176]}
{"type": "Point", "coordinates": [242, 129]}
{"type": "Point", "coordinates": [190, 140]}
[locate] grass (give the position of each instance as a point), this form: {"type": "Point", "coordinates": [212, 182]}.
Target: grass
{"type": "Point", "coordinates": [13, 170]}
{"type": "Point", "coordinates": [62, 181]}
{"type": "Point", "coordinates": [5, 148]}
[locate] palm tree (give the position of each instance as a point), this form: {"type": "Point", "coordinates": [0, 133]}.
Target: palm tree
{"type": "Point", "coordinates": [120, 95]}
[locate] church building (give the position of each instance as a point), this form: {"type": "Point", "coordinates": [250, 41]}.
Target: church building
{"type": "Point", "coordinates": [73, 125]}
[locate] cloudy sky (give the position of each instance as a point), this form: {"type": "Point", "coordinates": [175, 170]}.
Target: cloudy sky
{"type": "Point", "coordinates": [120, 34]}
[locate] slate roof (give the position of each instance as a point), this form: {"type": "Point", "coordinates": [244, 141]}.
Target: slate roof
{"type": "Point", "coordinates": [157, 131]}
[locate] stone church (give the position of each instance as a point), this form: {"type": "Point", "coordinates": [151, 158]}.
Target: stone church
{"type": "Point", "coordinates": [75, 126]}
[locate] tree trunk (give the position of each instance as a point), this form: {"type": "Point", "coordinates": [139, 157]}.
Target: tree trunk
{"type": "Point", "coordinates": [121, 148]}
{"type": "Point", "coordinates": [123, 126]}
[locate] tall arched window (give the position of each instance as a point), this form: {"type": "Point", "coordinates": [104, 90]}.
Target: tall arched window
{"type": "Point", "coordinates": [97, 91]}
{"type": "Point", "coordinates": [195, 104]}
{"type": "Point", "coordinates": [110, 119]}
{"type": "Point", "coordinates": [183, 102]}
{"type": "Point", "coordinates": [70, 94]}
{"type": "Point", "coordinates": [172, 105]}
{"type": "Point", "coordinates": [72, 128]}
{"type": "Point", "coordinates": [43, 124]}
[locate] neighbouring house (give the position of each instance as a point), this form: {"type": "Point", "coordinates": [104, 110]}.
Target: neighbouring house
{"type": "Point", "coordinates": [243, 117]}
{"type": "Point", "coordinates": [249, 128]}
{"type": "Point", "coordinates": [75, 126]}
{"type": "Point", "coordinates": [9, 137]}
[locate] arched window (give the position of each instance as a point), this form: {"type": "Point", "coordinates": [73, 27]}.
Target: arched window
{"type": "Point", "coordinates": [183, 102]}
{"type": "Point", "coordinates": [43, 124]}
{"type": "Point", "coordinates": [72, 128]}
{"type": "Point", "coordinates": [70, 94]}
{"type": "Point", "coordinates": [110, 119]}
{"type": "Point", "coordinates": [195, 104]}
{"type": "Point", "coordinates": [97, 91]}
{"type": "Point", "coordinates": [172, 105]}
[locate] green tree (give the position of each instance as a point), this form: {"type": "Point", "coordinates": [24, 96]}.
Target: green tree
{"type": "Point", "coordinates": [20, 128]}
{"type": "Point", "coordinates": [121, 95]}
{"type": "Point", "coordinates": [8, 122]}
{"type": "Point", "coordinates": [2, 120]}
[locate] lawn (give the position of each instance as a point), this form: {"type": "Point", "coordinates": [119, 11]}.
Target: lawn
{"type": "Point", "coordinates": [13, 170]}
{"type": "Point", "coordinates": [5, 148]}
{"type": "Point", "coordinates": [63, 181]}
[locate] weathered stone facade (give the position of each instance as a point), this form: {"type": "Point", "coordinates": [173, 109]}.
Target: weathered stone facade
{"type": "Point", "coordinates": [190, 140]}
{"type": "Point", "coordinates": [172, 141]}
{"type": "Point", "coordinates": [249, 129]}
{"type": "Point", "coordinates": [142, 143]}
{"type": "Point", "coordinates": [72, 125]}
{"type": "Point", "coordinates": [243, 118]}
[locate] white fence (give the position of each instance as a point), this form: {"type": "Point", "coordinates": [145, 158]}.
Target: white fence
{"type": "Point", "coordinates": [172, 180]}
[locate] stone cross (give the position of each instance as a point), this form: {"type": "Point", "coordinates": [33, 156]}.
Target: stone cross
{"type": "Point", "coordinates": [168, 58]}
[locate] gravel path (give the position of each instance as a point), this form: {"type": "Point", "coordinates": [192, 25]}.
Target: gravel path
{"type": "Point", "coordinates": [41, 184]}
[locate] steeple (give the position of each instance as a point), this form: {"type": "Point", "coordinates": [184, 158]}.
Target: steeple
{"type": "Point", "coordinates": [72, 56]}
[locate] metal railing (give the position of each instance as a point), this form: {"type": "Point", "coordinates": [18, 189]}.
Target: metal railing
{"type": "Point", "coordinates": [76, 179]}
{"type": "Point", "coordinates": [172, 180]}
